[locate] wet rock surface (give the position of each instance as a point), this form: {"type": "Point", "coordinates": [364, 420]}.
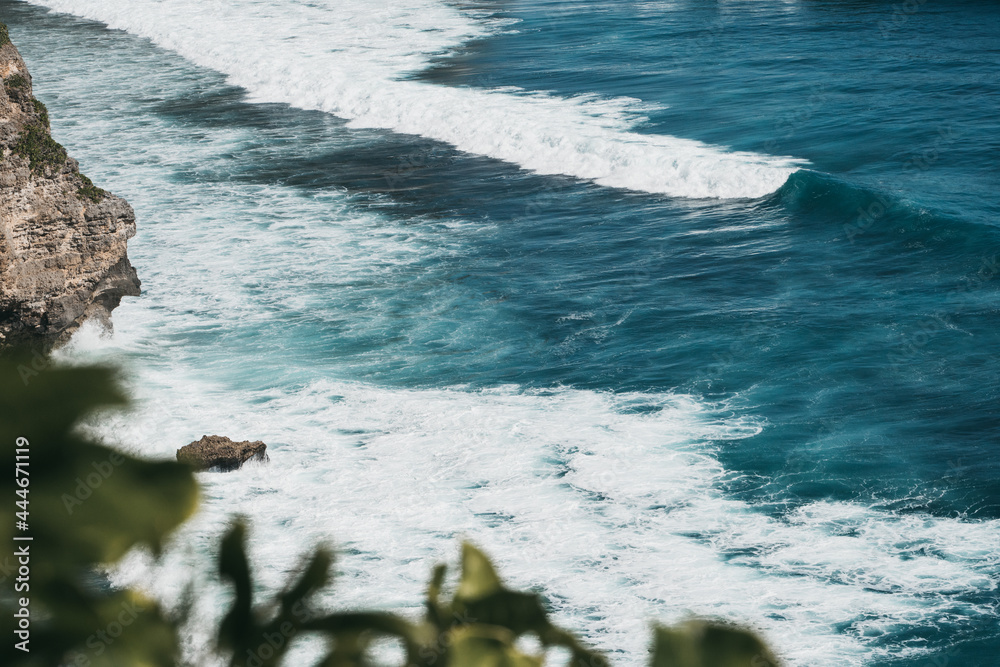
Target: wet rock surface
{"type": "Point", "coordinates": [216, 452]}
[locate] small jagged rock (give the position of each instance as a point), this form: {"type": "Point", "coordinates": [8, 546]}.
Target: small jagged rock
{"type": "Point", "coordinates": [216, 452]}
{"type": "Point", "coordinates": [62, 239]}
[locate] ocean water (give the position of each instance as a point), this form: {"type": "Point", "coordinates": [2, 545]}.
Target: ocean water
{"type": "Point", "coordinates": [673, 307]}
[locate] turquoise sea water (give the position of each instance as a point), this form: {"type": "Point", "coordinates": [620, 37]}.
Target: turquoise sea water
{"type": "Point", "coordinates": [467, 272]}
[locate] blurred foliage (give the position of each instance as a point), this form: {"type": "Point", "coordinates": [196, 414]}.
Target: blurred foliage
{"type": "Point", "coordinates": [89, 505]}
{"type": "Point", "coordinates": [4, 35]}
{"type": "Point", "coordinates": [702, 644]}
{"type": "Point", "coordinates": [86, 505]}
{"type": "Point", "coordinates": [479, 625]}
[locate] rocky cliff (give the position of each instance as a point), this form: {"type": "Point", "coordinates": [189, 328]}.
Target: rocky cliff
{"type": "Point", "coordinates": [62, 239]}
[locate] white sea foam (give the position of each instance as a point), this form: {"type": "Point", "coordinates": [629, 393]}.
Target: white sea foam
{"type": "Point", "coordinates": [612, 504]}
{"type": "Point", "coordinates": [617, 513]}
{"type": "Point", "coordinates": [346, 58]}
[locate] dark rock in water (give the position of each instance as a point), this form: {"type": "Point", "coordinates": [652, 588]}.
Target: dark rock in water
{"type": "Point", "coordinates": [220, 453]}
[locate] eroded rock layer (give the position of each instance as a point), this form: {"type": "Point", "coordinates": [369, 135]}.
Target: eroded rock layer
{"type": "Point", "coordinates": [62, 239]}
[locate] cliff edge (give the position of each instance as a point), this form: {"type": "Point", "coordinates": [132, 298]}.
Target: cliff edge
{"type": "Point", "coordinates": [62, 239]}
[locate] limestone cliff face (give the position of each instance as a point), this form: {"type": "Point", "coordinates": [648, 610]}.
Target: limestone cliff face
{"type": "Point", "coordinates": [62, 240]}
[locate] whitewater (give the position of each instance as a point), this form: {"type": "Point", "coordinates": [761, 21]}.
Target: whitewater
{"type": "Point", "coordinates": [349, 59]}
{"type": "Point", "coordinates": [383, 347]}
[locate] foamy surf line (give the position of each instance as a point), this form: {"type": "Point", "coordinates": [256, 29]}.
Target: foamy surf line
{"type": "Point", "coordinates": [347, 58]}
{"type": "Point", "coordinates": [611, 503]}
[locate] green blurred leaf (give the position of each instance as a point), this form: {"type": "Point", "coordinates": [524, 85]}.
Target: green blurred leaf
{"type": "Point", "coordinates": [87, 505]}
{"type": "Point", "coordinates": [479, 579]}
{"type": "Point", "coordinates": [703, 644]}
{"type": "Point", "coordinates": [482, 602]}
{"type": "Point", "coordinates": [315, 576]}
{"type": "Point", "coordinates": [438, 615]}
{"type": "Point", "coordinates": [234, 567]}
{"type": "Point", "coordinates": [487, 646]}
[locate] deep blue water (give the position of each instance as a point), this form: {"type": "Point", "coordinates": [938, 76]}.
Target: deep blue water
{"type": "Point", "coordinates": [852, 314]}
